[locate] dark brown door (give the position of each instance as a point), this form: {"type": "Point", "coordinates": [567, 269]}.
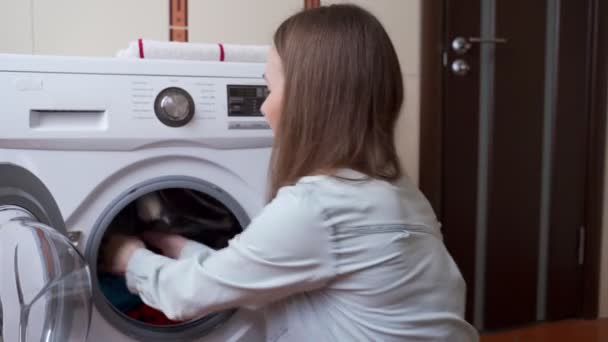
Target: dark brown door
{"type": "Point", "coordinates": [514, 155]}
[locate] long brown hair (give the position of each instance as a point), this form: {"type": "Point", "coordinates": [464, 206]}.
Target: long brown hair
{"type": "Point", "coordinates": [342, 96]}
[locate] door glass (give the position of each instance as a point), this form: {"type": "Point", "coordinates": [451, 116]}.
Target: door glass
{"type": "Point", "coordinates": [45, 284]}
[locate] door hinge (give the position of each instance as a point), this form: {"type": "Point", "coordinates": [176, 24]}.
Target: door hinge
{"type": "Point", "coordinates": [581, 245]}
{"type": "Point", "coordinates": [74, 237]}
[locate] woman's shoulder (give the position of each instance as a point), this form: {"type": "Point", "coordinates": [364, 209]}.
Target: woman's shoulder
{"type": "Point", "coordinates": [343, 185]}
{"type": "Point", "coordinates": [354, 199]}
{"type": "Point", "coordinates": [328, 197]}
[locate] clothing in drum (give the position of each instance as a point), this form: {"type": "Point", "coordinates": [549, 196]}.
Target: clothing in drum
{"type": "Point", "coordinates": [189, 213]}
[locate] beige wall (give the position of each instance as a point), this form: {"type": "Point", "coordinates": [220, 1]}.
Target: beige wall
{"type": "Point", "coordinates": [15, 26]}
{"type": "Point", "coordinates": [102, 27]}
{"type": "Point", "coordinates": [84, 28]}
{"type": "Point", "coordinates": [238, 21]}
{"type": "Point", "coordinates": [96, 27]}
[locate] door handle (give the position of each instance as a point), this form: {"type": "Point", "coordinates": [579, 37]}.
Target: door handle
{"type": "Point", "coordinates": [461, 45]}
{"type": "Point", "coordinates": [460, 67]}
{"type": "Point", "coordinates": [488, 40]}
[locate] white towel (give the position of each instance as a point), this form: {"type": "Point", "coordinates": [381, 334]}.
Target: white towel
{"type": "Point", "coordinates": [151, 49]}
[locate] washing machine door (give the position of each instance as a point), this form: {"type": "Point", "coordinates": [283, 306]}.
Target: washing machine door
{"type": "Point", "coordinates": [45, 283]}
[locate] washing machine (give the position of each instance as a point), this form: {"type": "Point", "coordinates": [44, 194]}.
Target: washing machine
{"type": "Point", "coordinates": [84, 143]}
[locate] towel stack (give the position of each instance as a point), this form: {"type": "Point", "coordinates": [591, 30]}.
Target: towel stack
{"type": "Point", "coordinates": [151, 49]}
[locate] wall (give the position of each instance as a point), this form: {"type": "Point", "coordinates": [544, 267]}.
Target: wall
{"type": "Point", "coordinates": [102, 27]}
{"type": "Point", "coordinates": [238, 21]}
{"type": "Point", "coordinates": [15, 26]}
{"type": "Point", "coordinates": [85, 28]}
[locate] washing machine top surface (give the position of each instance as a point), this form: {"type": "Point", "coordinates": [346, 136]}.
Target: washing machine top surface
{"type": "Point", "coordinates": [120, 66]}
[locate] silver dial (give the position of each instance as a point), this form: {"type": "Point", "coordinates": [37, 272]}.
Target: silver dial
{"type": "Point", "coordinates": [174, 107]}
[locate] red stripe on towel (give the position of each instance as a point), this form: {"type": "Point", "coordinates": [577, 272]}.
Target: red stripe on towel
{"type": "Point", "coordinates": [222, 54]}
{"type": "Point", "coordinates": [141, 48]}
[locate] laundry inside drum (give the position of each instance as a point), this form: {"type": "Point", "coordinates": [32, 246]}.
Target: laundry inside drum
{"type": "Point", "coordinates": [189, 213]}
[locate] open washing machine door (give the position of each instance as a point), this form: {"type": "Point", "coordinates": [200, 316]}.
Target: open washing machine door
{"type": "Point", "coordinates": [45, 283]}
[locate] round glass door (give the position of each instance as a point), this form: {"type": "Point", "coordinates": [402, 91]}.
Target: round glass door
{"type": "Point", "coordinates": [45, 283]}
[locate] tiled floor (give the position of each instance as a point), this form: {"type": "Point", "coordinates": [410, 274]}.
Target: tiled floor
{"type": "Point", "coordinates": [566, 331]}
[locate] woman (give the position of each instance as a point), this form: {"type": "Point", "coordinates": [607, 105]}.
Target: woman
{"type": "Point", "coordinates": [348, 249]}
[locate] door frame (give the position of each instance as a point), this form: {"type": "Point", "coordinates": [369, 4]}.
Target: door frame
{"type": "Point", "coordinates": [431, 132]}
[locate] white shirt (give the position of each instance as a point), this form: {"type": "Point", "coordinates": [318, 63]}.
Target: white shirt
{"type": "Point", "coordinates": [329, 260]}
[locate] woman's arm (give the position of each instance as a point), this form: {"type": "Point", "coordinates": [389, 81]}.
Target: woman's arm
{"type": "Point", "coordinates": [285, 250]}
{"type": "Point", "coordinates": [176, 246]}
{"type": "Point", "coordinates": [193, 249]}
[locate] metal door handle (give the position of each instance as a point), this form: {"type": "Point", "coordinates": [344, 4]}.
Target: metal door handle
{"type": "Point", "coordinates": [488, 41]}
{"type": "Point", "coordinates": [460, 67]}
{"type": "Point", "coordinates": [461, 45]}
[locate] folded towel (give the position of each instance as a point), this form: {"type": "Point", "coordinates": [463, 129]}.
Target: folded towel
{"type": "Point", "coordinates": [190, 51]}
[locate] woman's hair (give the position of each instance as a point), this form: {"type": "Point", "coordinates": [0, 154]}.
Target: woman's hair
{"type": "Point", "coordinates": [342, 96]}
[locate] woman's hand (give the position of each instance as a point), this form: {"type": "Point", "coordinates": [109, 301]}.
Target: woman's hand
{"type": "Point", "coordinates": [117, 252]}
{"type": "Point", "coordinates": [170, 245]}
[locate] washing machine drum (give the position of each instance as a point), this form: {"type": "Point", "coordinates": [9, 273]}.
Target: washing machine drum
{"type": "Point", "coordinates": [45, 283]}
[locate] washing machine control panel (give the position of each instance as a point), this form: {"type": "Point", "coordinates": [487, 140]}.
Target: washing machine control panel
{"type": "Point", "coordinates": [104, 104]}
{"type": "Point", "coordinates": [211, 105]}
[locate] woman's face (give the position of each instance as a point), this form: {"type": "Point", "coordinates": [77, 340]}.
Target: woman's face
{"type": "Point", "coordinates": [274, 80]}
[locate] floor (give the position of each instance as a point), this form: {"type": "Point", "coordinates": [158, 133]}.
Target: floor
{"type": "Point", "coordinates": [566, 331]}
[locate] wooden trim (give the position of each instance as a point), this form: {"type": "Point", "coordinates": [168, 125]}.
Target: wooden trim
{"type": "Point", "coordinates": [309, 4]}
{"type": "Point", "coordinates": [178, 20]}
{"type": "Point", "coordinates": [598, 90]}
{"type": "Point", "coordinates": [431, 104]}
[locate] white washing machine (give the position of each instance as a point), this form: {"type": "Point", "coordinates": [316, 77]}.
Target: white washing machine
{"type": "Point", "coordinates": [82, 141]}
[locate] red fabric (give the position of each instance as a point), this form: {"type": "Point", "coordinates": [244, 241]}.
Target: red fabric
{"type": "Point", "coordinates": [141, 48]}
{"type": "Point", "coordinates": [222, 55]}
{"type": "Point", "coordinates": [146, 314]}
